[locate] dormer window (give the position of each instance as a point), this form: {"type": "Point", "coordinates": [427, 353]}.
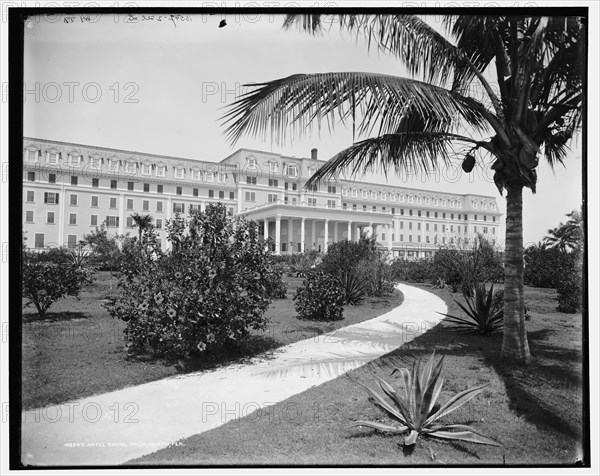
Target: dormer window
{"type": "Point", "coordinates": [179, 172]}
{"type": "Point", "coordinates": [113, 165]}
{"type": "Point", "coordinates": [291, 170]}
{"type": "Point", "coordinates": [251, 163]}
{"type": "Point", "coordinates": [146, 169]}
{"type": "Point", "coordinates": [52, 157]}
{"type": "Point", "coordinates": [273, 167]}
{"type": "Point", "coordinates": [392, 197]}
{"type": "Point", "coordinates": [354, 192]}
{"type": "Point", "coordinates": [130, 167]}
{"type": "Point", "coordinates": [222, 178]}
{"type": "Point", "coordinates": [95, 162]}
{"type": "Point", "coordinates": [74, 160]}
{"type": "Point", "coordinates": [373, 194]}
{"type": "Point", "coordinates": [161, 170]}
{"type": "Point", "coordinates": [384, 196]}
{"type": "Point", "coordinates": [196, 174]}
{"type": "Point", "coordinates": [31, 155]}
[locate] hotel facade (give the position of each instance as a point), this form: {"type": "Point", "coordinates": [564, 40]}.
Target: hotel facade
{"type": "Point", "coordinates": [70, 189]}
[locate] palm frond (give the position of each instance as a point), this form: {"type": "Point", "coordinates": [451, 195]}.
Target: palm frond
{"type": "Point", "coordinates": [294, 103]}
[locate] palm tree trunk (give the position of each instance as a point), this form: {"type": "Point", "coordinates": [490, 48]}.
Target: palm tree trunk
{"type": "Point", "coordinates": [514, 343]}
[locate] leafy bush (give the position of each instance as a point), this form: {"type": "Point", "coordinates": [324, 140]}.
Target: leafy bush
{"type": "Point", "coordinates": [417, 271]}
{"type": "Point", "coordinates": [544, 266]}
{"type": "Point", "coordinates": [276, 287]}
{"type": "Point", "coordinates": [353, 288]}
{"type": "Point", "coordinates": [210, 290]}
{"type": "Point", "coordinates": [416, 410]}
{"type": "Point", "coordinates": [484, 310]}
{"type": "Point", "coordinates": [53, 274]}
{"type": "Point", "coordinates": [570, 286]}
{"type": "Point", "coordinates": [320, 298]}
{"type": "Point", "coordinates": [376, 276]}
{"type": "Point", "coordinates": [105, 248]}
{"type": "Point", "coordinates": [343, 256]}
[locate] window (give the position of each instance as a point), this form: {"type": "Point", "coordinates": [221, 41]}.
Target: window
{"type": "Point", "coordinates": [113, 184]}
{"type": "Point", "coordinates": [72, 218]}
{"type": "Point", "coordinates": [251, 180]}
{"type": "Point", "coordinates": [493, 231]}
{"type": "Point", "coordinates": [50, 218]}
{"type": "Point", "coordinates": [231, 195]}
{"type": "Point", "coordinates": [130, 167]}
{"type": "Point", "coordinates": [436, 214]}
{"type": "Point", "coordinates": [130, 204]}
{"type": "Point", "coordinates": [312, 202]}
{"type": "Point", "coordinates": [161, 171]}
{"type": "Point", "coordinates": [113, 165]}
{"type": "Point", "coordinates": [211, 194]}
{"type": "Point", "coordinates": [419, 213]}
{"type": "Point", "coordinates": [73, 200]}
{"type": "Point", "coordinates": [95, 182]}
{"type": "Point", "coordinates": [475, 217]}
{"type": "Point", "coordinates": [250, 196]}
{"type": "Point", "coordinates": [30, 196]}
{"type": "Point", "coordinates": [273, 167]}
{"type": "Point", "coordinates": [146, 169]}
{"type": "Point", "coordinates": [475, 229]}
{"type": "Point", "coordinates": [251, 162]}
{"type": "Point", "coordinates": [179, 191]}
{"type": "Point", "coordinates": [435, 227]}
{"type": "Point", "coordinates": [179, 172]}
{"type": "Point", "coordinates": [210, 176]}
{"type": "Point", "coordinates": [419, 226]}
{"type": "Point", "coordinates": [159, 223]}
{"type": "Point", "coordinates": [94, 201]}
{"type": "Point", "coordinates": [410, 212]}
{"type": "Point", "coordinates": [410, 225]}
{"type": "Point", "coordinates": [401, 225]}
{"type": "Point", "coordinates": [383, 237]}
{"type": "Point", "coordinates": [410, 238]}
{"type": "Point", "coordinates": [272, 197]}
{"type": "Point", "coordinates": [452, 228]}
{"type": "Point", "coordinates": [364, 208]}
{"type": "Point", "coordinates": [113, 202]}
{"type": "Point", "coordinates": [451, 216]}
{"type": "Point", "coordinates": [74, 180]}
{"type": "Point", "coordinates": [146, 187]}
{"type": "Point", "coordinates": [222, 178]}
{"type": "Point", "coordinates": [159, 206]}
{"type": "Point", "coordinates": [31, 176]}
{"type": "Point", "coordinates": [39, 240]}
{"type": "Point", "coordinates": [195, 192]}
{"type": "Point", "coordinates": [313, 188]}
{"type": "Point", "coordinates": [29, 216]}
{"type": "Point", "coordinates": [291, 170]}
{"type": "Point", "coordinates": [419, 238]}
{"type": "Point", "coordinates": [196, 174]}
{"type": "Point", "coordinates": [393, 211]}
{"type": "Point", "coordinates": [331, 189]}
{"type": "Point", "coordinates": [112, 221]}
{"type": "Point", "coordinates": [32, 155]}
{"type": "Point", "coordinates": [94, 220]}
{"type": "Point", "coordinates": [291, 185]}
{"type": "Point", "coordinates": [129, 222]}
{"type": "Point", "coordinates": [95, 162]}
{"type": "Point", "coordinates": [354, 206]}
{"type": "Point", "coordinates": [493, 218]}
{"type": "Point", "coordinates": [130, 186]}
{"type": "Point", "coordinates": [331, 204]}
{"type": "Point", "coordinates": [444, 215]}
{"type": "Point", "coordinates": [159, 189]}
{"type": "Point", "coordinates": [443, 228]}
{"type": "Point", "coordinates": [426, 226]}
{"type": "Point", "coordinates": [51, 178]}
{"type": "Point", "coordinates": [74, 160]}
{"type": "Point", "coordinates": [221, 194]}
{"type": "Point", "coordinates": [374, 208]}
{"type": "Point", "coordinates": [178, 207]}
{"type": "Point", "coordinates": [71, 241]}
{"type": "Point", "coordinates": [273, 183]}
{"type": "Point", "coordinates": [484, 217]}
{"type": "Point", "coordinates": [51, 198]}
{"type": "Point", "coordinates": [145, 205]}
{"type": "Point", "coordinates": [53, 157]}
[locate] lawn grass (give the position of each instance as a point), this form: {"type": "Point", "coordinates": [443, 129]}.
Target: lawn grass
{"type": "Point", "coordinates": [534, 411]}
{"type": "Point", "coordinates": [79, 350]}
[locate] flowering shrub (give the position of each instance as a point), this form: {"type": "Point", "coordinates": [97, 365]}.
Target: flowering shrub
{"type": "Point", "coordinates": [209, 290]}
{"type": "Point", "coordinates": [321, 298]}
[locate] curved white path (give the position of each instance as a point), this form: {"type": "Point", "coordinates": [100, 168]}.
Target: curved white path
{"type": "Point", "coordinates": [115, 427]}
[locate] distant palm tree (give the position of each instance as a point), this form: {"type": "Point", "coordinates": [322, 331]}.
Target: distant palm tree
{"type": "Point", "coordinates": [534, 109]}
{"type": "Point", "coordinates": [142, 222]}
{"type": "Point", "coordinates": [567, 236]}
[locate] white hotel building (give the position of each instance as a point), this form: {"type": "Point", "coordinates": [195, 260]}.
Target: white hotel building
{"type": "Point", "coordinates": [70, 189]}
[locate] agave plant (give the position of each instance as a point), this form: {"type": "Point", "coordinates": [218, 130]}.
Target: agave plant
{"type": "Point", "coordinates": [416, 407]}
{"type": "Point", "coordinates": [484, 313]}
{"type": "Point", "coordinates": [354, 288]}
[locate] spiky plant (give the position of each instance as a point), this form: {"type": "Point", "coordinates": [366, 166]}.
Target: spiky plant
{"type": "Point", "coordinates": [354, 288]}
{"type": "Point", "coordinates": [415, 408]}
{"type": "Point", "coordinates": [484, 314]}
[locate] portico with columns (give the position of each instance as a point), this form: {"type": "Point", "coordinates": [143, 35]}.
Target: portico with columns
{"type": "Point", "coordinates": [295, 229]}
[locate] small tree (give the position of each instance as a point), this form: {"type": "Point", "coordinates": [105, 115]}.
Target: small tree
{"type": "Point", "coordinates": [51, 275]}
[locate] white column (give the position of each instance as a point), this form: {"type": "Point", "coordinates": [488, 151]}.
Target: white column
{"type": "Point", "coordinates": [349, 231]}
{"type": "Point", "coordinates": [266, 228]}
{"type": "Point", "coordinates": [290, 236]}
{"type": "Point", "coordinates": [326, 236]}
{"type": "Point", "coordinates": [278, 235]}
{"type": "Point", "coordinates": [61, 217]}
{"type": "Point", "coordinates": [313, 233]}
{"type": "Point", "coordinates": [302, 233]}
{"type": "Point", "coordinates": [370, 232]}
{"type": "Point", "coordinates": [335, 232]}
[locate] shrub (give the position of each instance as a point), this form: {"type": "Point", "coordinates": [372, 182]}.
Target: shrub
{"type": "Point", "coordinates": [418, 271]}
{"type": "Point", "coordinates": [376, 276]}
{"type": "Point", "coordinates": [321, 298]}
{"type": "Point", "coordinates": [302, 264]}
{"type": "Point", "coordinates": [416, 410]}
{"type": "Point", "coordinates": [105, 248]}
{"type": "Point", "coordinates": [484, 310]}
{"type": "Point", "coordinates": [544, 267]}
{"type": "Point", "coordinates": [353, 288]}
{"type": "Point", "coordinates": [343, 256]}
{"type": "Point", "coordinates": [276, 286]}
{"type": "Point", "coordinates": [570, 286]}
{"type": "Point", "coordinates": [210, 290]}
{"type": "Point", "coordinates": [53, 274]}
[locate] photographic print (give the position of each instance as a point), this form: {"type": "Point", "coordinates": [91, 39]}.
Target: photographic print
{"type": "Point", "coordinates": [308, 238]}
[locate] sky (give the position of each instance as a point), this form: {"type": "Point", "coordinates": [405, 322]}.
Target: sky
{"type": "Point", "coordinates": [161, 86]}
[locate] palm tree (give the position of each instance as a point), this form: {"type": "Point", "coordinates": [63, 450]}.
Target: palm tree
{"type": "Point", "coordinates": [142, 222]}
{"type": "Point", "coordinates": [534, 109]}
{"type": "Point", "coordinates": [567, 236]}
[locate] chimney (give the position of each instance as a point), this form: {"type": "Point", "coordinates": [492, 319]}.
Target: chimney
{"type": "Point", "coordinates": [313, 154]}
